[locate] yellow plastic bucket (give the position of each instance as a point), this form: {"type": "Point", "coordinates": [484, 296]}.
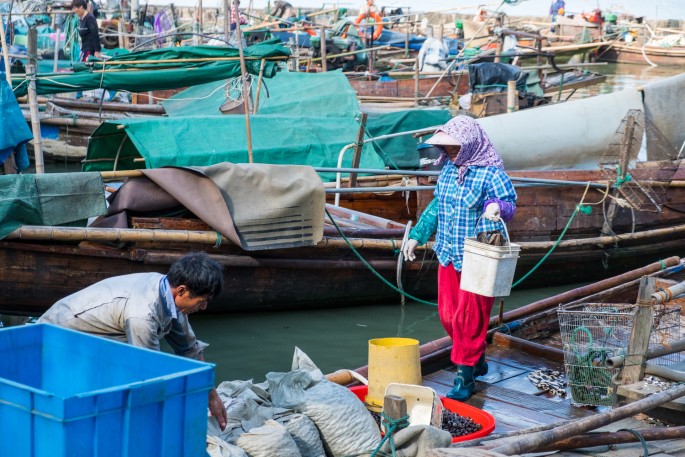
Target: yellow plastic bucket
{"type": "Point", "coordinates": [391, 360]}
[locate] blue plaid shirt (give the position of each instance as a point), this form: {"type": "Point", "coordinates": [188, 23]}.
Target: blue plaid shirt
{"type": "Point", "coordinates": [459, 208]}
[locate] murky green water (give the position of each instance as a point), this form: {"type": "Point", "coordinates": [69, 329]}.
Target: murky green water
{"type": "Point", "coordinates": [249, 345]}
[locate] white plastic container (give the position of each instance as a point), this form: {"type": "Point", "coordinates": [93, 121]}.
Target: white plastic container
{"type": "Point", "coordinates": [488, 270]}
{"type": "Point", "coordinates": [423, 403]}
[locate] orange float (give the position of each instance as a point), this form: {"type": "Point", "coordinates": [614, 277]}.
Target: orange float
{"type": "Point", "coordinates": [378, 22]}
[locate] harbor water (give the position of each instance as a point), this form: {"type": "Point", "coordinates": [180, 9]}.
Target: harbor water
{"type": "Point", "coordinates": [248, 345]}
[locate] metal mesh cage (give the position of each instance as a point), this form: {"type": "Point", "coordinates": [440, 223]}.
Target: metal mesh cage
{"type": "Point", "coordinates": [591, 333]}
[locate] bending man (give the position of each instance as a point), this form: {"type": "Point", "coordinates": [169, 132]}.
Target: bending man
{"type": "Point", "coordinates": [142, 308]}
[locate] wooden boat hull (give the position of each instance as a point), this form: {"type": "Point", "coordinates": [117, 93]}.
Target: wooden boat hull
{"type": "Point", "coordinates": [35, 275]}
{"type": "Point", "coordinates": [625, 53]}
{"type": "Point", "coordinates": [406, 88]}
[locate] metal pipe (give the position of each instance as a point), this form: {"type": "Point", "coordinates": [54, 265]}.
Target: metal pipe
{"type": "Point", "coordinates": [666, 349]}
{"type": "Point", "coordinates": [665, 295]}
{"type": "Point", "coordinates": [354, 190]}
{"type": "Point", "coordinates": [663, 372]}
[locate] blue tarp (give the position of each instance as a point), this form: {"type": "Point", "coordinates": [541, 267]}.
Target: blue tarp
{"type": "Point", "coordinates": [15, 132]}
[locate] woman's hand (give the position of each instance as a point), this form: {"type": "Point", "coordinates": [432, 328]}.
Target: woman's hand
{"type": "Point", "coordinates": [492, 212]}
{"type": "Point", "coordinates": [408, 249]}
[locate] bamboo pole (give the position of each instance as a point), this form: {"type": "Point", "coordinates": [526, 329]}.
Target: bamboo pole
{"type": "Point", "coordinates": [55, 58]}
{"type": "Point", "coordinates": [359, 144]}
{"type": "Point", "coordinates": [324, 61]}
{"type": "Point", "coordinates": [533, 442]}
{"type": "Point", "coordinates": [416, 81]}
{"type": "Point", "coordinates": [259, 86]}
{"type": "Point", "coordinates": [612, 438]}
{"type": "Point", "coordinates": [343, 54]}
{"type": "Point", "coordinates": [552, 302]}
{"type": "Point", "coordinates": [198, 59]}
{"type": "Point", "coordinates": [33, 100]}
{"type": "Point", "coordinates": [5, 53]}
{"type": "Point", "coordinates": [243, 75]}
{"type": "Point", "coordinates": [200, 20]}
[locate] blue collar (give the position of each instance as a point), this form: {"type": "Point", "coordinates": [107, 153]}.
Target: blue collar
{"type": "Point", "coordinates": [167, 297]}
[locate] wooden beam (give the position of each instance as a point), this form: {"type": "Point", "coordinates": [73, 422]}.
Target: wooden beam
{"type": "Point", "coordinates": [358, 146]}
{"type": "Point", "coordinates": [633, 369]}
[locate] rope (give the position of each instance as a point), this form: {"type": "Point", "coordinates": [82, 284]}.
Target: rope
{"type": "Point", "coordinates": [373, 270]}
{"type": "Point", "coordinates": [639, 436]}
{"type": "Point", "coordinates": [218, 240]}
{"type": "Point", "coordinates": [391, 426]}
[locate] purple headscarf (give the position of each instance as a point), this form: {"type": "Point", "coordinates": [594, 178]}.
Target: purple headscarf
{"type": "Point", "coordinates": [476, 148]}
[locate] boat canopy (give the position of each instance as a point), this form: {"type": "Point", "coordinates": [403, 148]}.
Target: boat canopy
{"type": "Point", "coordinates": [50, 199]}
{"type": "Point", "coordinates": [159, 69]}
{"type": "Point", "coordinates": [15, 133]}
{"type": "Point", "coordinates": [302, 119]}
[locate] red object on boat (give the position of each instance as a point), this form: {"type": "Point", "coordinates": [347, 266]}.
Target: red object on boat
{"type": "Point", "coordinates": [477, 415]}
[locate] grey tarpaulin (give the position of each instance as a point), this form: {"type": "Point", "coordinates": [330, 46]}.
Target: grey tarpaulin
{"type": "Point", "coordinates": [664, 107]}
{"type": "Point", "coordinates": [256, 206]}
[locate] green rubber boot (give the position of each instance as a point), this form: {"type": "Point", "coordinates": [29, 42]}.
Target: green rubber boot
{"type": "Point", "coordinates": [463, 384]}
{"type": "Point", "coordinates": [481, 368]}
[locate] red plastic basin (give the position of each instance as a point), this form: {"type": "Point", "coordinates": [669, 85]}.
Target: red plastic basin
{"type": "Point", "coordinates": [477, 415]}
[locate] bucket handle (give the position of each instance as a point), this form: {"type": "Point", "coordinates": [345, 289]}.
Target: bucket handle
{"type": "Point", "coordinates": [506, 232]}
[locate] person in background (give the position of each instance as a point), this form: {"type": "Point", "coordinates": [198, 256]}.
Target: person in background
{"type": "Point", "coordinates": [473, 194]}
{"type": "Point", "coordinates": [87, 30]}
{"type": "Point", "coordinates": [142, 308]}
{"type": "Point", "coordinates": [368, 7]}
{"type": "Point", "coordinates": [557, 8]}
{"type": "Point", "coordinates": [283, 10]}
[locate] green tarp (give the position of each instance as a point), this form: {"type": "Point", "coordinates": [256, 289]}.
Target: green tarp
{"type": "Point", "coordinates": [176, 67]}
{"type": "Point", "coordinates": [309, 94]}
{"type": "Point", "coordinates": [202, 141]}
{"type": "Point", "coordinates": [303, 119]}
{"type": "Point", "coordinates": [400, 152]}
{"type": "Point", "coordinates": [49, 199]}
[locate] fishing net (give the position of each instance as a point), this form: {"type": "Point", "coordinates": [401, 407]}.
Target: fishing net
{"type": "Point", "coordinates": [637, 184]}
{"type": "Point", "coordinates": [591, 333]}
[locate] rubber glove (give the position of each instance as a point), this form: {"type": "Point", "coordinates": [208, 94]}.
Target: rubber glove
{"type": "Point", "coordinates": [409, 248]}
{"type": "Point", "coordinates": [492, 212]}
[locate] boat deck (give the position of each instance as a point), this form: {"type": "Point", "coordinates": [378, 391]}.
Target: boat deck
{"type": "Point", "coordinates": [517, 404]}
{"type": "Point", "coordinates": [508, 394]}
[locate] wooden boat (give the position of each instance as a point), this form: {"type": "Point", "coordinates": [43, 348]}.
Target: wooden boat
{"type": "Point", "coordinates": [622, 52]}
{"type": "Point", "coordinates": [528, 339]}
{"type": "Point", "coordinates": [40, 265]}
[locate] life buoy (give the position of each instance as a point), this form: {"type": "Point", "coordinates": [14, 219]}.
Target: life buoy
{"type": "Point", "coordinates": [378, 23]}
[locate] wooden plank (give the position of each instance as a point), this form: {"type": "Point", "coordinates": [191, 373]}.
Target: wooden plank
{"type": "Point", "coordinates": [633, 370]}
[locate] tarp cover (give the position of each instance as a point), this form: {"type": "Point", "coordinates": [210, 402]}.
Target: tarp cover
{"type": "Point", "coordinates": [312, 94]}
{"type": "Point", "coordinates": [256, 206]}
{"type": "Point", "coordinates": [14, 133]}
{"type": "Point", "coordinates": [49, 199]}
{"type": "Point", "coordinates": [493, 77]}
{"type": "Point", "coordinates": [303, 119]}
{"type": "Point", "coordinates": [182, 67]}
{"type": "Point", "coordinates": [203, 141]}
{"type": "Point", "coordinates": [664, 107]}
{"type": "Point", "coordinates": [400, 151]}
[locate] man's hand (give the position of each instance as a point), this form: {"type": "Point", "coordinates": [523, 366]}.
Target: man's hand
{"type": "Point", "coordinates": [97, 54]}
{"type": "Point", "coordinates": [408, 249]}
{"type": "Point", "coordinates": [492, 212]}
{"type": "Point", "coordinates": [216, 407]}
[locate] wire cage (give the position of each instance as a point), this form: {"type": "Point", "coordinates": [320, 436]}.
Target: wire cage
{"type": "Point", "coordinates": [591, 333]}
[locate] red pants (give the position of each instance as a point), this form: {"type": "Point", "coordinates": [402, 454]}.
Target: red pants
{"type": "Point", "coordinates": [464, 315]}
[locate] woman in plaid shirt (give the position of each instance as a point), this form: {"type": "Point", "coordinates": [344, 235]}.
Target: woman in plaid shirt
{"type": "Point", "coordinates": [473, 195]}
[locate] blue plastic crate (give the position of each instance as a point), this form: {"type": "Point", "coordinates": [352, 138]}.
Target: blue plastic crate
{"type": "Point", "coordinates": [66, 393]}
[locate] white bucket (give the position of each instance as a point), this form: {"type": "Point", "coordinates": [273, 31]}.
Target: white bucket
{"type": "Point", "coordinates": [423, 403]}
{"type": "Point", "coordinates": [488, 270]}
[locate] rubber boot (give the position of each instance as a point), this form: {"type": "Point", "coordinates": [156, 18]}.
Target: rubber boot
{"type": "Point", "coordinates": [463, 384]}
{"type": "Point", "coordinates": [481, 368]}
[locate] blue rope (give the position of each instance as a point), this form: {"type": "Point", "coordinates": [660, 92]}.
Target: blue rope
{"type": "Point", "coordinates": [639, 437]}
{"type": "Point", "coordinates": [391, 426]}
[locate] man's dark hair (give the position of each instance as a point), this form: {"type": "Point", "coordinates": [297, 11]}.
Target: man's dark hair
{"type": "Point", "coordinates": [79, 3]}
{"type": "Point", "coordinates": [201, 274]}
